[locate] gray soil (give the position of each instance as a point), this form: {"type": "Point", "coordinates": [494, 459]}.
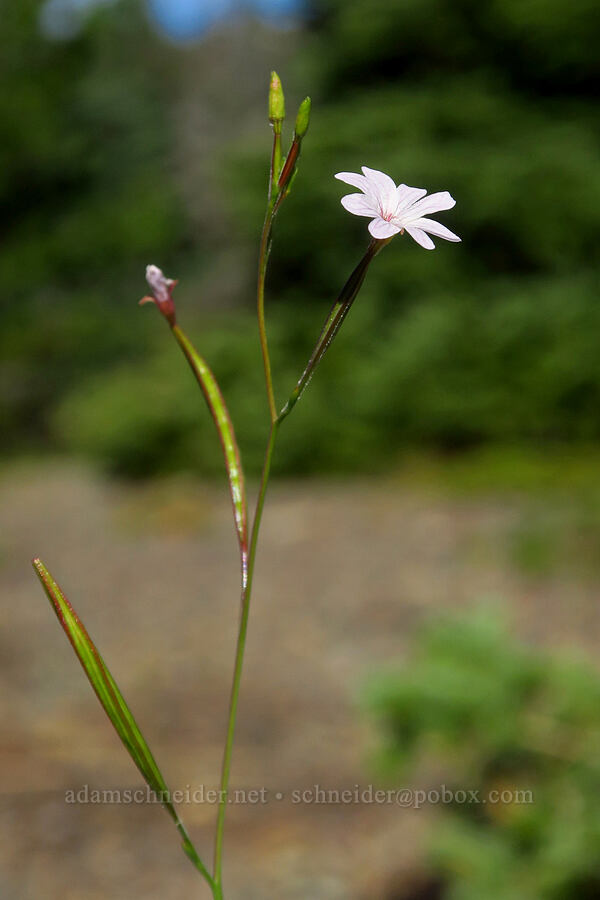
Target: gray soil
{"type": "Point", "coordinates": [346, 572]}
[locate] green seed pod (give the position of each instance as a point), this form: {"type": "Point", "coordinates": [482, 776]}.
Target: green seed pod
{"type": "Point", "coordinates": [276, 101]}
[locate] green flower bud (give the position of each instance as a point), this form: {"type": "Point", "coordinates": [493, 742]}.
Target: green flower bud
{"type": "Point", "coordinates": [276, 100]}
{"type": "Point", "coordinates": [303, 118]}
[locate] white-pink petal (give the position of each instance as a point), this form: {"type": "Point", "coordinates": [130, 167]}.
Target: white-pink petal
{"type": "Point", "coordinates": [394, 208]}
{"type": "Point", "coordinates": [360, 205]}
{"type": "Point", "coordinates": [406, 195]}
{"type": "Point", "coordinates": [418, 235]}
{"type": "Point", "coordinates": [431, 204]}
{"type": "Point", "coordinates": [435, 228]}
{"type": "Point", "coordinates": [353, 178]}
{"type": "Point", "coordinates": [384, 185]}
{"type": "Point", "coordinates": [382, 229]}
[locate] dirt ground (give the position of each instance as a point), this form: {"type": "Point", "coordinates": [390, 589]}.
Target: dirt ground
{"type": "Point", "coordinates": [346, 572]}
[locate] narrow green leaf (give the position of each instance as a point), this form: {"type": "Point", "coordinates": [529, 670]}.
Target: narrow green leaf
{"type": "Point", "coordinates": [113, 702]}
{"type": "Point", "coordinates": [222, 420]}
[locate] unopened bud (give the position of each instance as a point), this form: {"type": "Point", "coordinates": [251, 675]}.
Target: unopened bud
{"type": "Point", "coordinates": [303, 118]}
{"type": "Point", "coordinates": [162, 292]}
{"type": "Point", "coordinates": [289, 167]}
{"type": "Point", "coordinates": [276, 101]}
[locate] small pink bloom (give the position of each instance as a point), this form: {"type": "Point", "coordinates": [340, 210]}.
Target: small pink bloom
{"type": "Point", "coordinates": [162, 292]}
{"type": "Point", "coordinates": [395, 209]}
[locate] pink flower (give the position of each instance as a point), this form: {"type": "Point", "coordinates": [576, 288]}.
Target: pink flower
{"type": "Point", "coordinates": [395, 209]}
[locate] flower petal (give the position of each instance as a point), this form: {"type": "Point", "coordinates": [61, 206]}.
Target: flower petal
{"type": "Point", "coordinates": [383, 186]}
{"type": "Point", "coordinates": [420, 237]}
{"type": "Point", "coordinates": [431, 204]}
{"type": "Point", "coordinates": [406, 195]}
{"type": "Point", "coordinates": [360, 205]}
{"type": "Point", "coordinates": [435, 228]}
{"type": "Point", "coordinates": [382, 229]}
{"type": "Point", "coordinates": [353, 178]}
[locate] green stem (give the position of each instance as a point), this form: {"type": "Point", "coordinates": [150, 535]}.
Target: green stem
{"type": "Point", "coordinates": [263, 258]}
{"type": "Point", "coordinates": [191, 853]}
{"type": "Point", "coordinates": [275, 160]}
{"type": "Point", "coordinates": [333, 323]}
{"type": "Point", "coordinates": [275, 199]}
{"type": "Point", "coordinates": [239, 661]}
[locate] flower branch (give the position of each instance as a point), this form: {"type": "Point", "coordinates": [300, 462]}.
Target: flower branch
{"type": "Point", "coordinates": [222, 419]}
{"type": "Point", "coordinates": [333, 323]}
{"type": "Point", "coordinates": [162, 288]}
{"type": "Point", "coordinates": [280, 182]}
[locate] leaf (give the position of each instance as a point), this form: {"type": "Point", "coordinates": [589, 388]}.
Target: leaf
{"type": "Point", "coordinates": [113, 702]}
{"type": "Point", "coordinates": [220, 413]}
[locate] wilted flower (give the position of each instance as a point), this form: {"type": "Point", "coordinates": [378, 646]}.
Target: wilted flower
{"type": "Point", "coordinates": [395, 209]}
{"type": "Point", "coordinates": [162, 291]}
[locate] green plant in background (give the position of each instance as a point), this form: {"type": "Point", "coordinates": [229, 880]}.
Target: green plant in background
{"type": "Point", "coordinates": [393, 209]}
{"type": "Point", "coordinates": [519, 728]}
{"type": "Point", "coordinates": [85, 202]}
{"type": "Point", "coordinates": [499, 349]}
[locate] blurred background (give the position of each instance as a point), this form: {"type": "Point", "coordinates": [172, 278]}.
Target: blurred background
{"type": "Point", "coordinates": [432, 540]}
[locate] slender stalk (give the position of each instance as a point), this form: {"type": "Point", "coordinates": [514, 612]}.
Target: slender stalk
{"type": "Point", "coordinates": [275, 160]}
{"type": "Point", "coordinates": [290, 164]}
{"type": "Point", "coordinates": [333, 323]}
{"type": "Point", "coordinates": [276, 197]}
{"type": "Point", "coordinates": [191, 853]}
{"type": "Point", "coordinates": [278, 189]}
{"type": "Point", "coordinates": [239, 661]}
{"type": "Point", "coordinates": [263, 258]}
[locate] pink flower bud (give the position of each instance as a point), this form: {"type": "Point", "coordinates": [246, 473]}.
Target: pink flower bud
{"type": "Point", "coordinates": [162, 292]}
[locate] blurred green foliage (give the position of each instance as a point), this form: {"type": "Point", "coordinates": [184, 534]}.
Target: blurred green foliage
{"type": "Point", "coordinates": [85, 202]}
{"type": "Point", "coordinates": [488, 714]}
{"type": "Point", "coordinates": [490, 341]}
{"type": "Point", "coordinates": [496, 339]}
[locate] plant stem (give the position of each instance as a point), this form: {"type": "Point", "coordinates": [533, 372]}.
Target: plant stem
{"type": "Point", "coordinates": [191, 853]}
{"type": "Point", "coordinates": [239, 661]}
{"type": "Point", "coordinates": [263, 258]}
{"type": "Point", "coordinates": [275, 161]}
{"type": "Point", "coordinates": [275, 198]}
{"type": "Point", "coordinates": [274, 201]}
{"type": "Point", "coordinates": [333, 323]}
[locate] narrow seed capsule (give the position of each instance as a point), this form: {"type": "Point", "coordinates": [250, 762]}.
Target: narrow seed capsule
{"type": "Point", "coordinates": [276, 101]}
